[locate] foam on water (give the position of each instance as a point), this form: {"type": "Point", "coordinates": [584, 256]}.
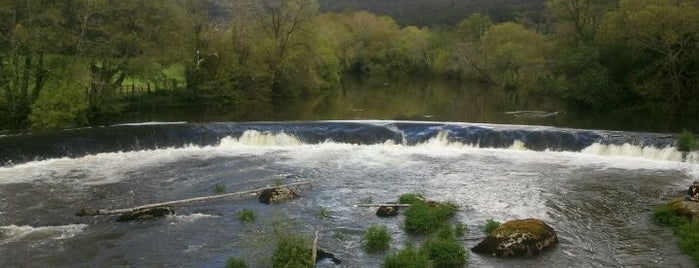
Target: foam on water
{"type": "Point", "coordinates": [106, 168]}
{"type": "Point", "coordinates": [193, 217]}
{"type": "Point", "coordinates": [13, 233]}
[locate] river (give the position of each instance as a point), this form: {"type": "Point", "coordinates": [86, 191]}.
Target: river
{"type": "Point", "coordinates": [596, 188]}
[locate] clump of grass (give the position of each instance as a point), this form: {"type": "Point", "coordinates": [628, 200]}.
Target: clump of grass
{"type": "Point", "coordinates": [410, 198]}
{"type": "Point", "coordinates": [235, 263]}
{"type": "Point", "coordinates": [668, 215]}
{"type": "Point", "coordinates": [219, 188]}
{"type": "Point", "coordinates": [424, 218]}
{"type": "Point", "coordinates": [460, 229]}
{"type": "Point", "coordinates": [246, 216]}
{"type": "Point", "coordinates": [689, 239]}
{"type": "Point", "coordinates": [323, 213]}
{"type": "Point", "coordinates": [686, 141]}
{"type": "Point", "coordinates": [490, 226]}
{"type": "Point", "coordinates": [294, 252]}
{"type": "Point", "coordinates": [376, 239]}
{"type": "Point", "coordinates": [409, 257]}
{"type": "Point", "coordinates": [445, 252]}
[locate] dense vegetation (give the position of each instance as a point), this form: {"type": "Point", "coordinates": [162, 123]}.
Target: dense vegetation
{"type": "Point", "coordinates": [684, 228]}
{"type": "Point", "coordinates": [78, 62]}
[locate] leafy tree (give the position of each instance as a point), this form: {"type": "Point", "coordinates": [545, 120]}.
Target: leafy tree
{"type": "Point", "coordinates": [653, 46]}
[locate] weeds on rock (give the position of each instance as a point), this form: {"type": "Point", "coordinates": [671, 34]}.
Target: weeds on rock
{"type": "Point", "coordinates": [490, 226]}
{"type": "Point", "coordinates": [246, 216]}
{"type": "Point", "coordinates": [219, 188]}
{"type": "Point", "coordinates": [424, 218]}
{"type": "Point", "coordinates": [293, 251]}
{"type": "Point", "coordinates": [409, 257]}
{"type": "Point", "coordinates": [235, 263]}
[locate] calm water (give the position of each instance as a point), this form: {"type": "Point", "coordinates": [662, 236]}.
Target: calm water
{"type": "Point", "coordinates": [595, 188]}
{"type": "Point", "coordinates": [426, 99]}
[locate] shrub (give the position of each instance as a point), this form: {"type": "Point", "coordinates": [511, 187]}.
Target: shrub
{"type": "Point", "coordinates": [490, 226]}
{"type": "Point", "coordinates": [424, 218]}
{"type": "Point", "coordinates": [666, 214]}
{"type": "Point", "coordinates": [219, 188]}
{"type": "Point", "coordinates": [246, 216]}
{"type": "Point", "coordinates": [406, 258]}
{"type": "Point", "coordinates": [445, 252]}
{"type": "Point", "coordinates": [293, 252]}
{"type": "Point", "coordinates": [376, 239]}
{"type": "Point", "coordinates": [235, 263]}
{"type": "Point", "coordinates": [410, 198]}
{"type": "Point", "coordinates": [686, 141]}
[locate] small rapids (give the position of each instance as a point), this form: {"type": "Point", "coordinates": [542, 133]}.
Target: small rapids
{"type": "Point", "coordinates": [595, 188]}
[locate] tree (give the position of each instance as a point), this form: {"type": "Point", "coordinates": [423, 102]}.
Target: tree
{"type": "Point", "coordinates": [654, 46]}
{"type": "Point", "coordinates": [582, 17]}
{"type": "Point", "coordinates": [469, 53]}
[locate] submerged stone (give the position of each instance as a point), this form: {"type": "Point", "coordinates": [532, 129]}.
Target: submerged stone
{"type": "Point", "coordinates": [276, 195]}
{"type": "Point", "coordinates": [518, 238]}
{"type": "Point", "coordinates": [323, 256]}
{"type": "Point", "coordinates": [146, 214]}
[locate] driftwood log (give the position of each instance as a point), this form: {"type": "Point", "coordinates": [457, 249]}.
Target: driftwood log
{"type": "Point", "coordinates": [95, 212]}
{"type": "Point", "coordinates": [381, 205]}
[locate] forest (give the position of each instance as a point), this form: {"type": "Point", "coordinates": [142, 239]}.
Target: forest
{"type": "Point", "coordinates": [70, 63]}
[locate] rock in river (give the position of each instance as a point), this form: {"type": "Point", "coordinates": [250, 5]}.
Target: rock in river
{"type": "Point", "coordinates": [276, 195]}
{"type": "Point", "coordinates": [387, 211]}
{"type": "Point", "coordinates": [516, 238]}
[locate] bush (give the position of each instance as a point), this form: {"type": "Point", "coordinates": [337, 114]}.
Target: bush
{"type": "Point", "coordinates": [376, 239]}
{"type": "Point", "coordinates": [424, 218]}
{"type": "Point", "coordinates": [293, 252]}
{"type": "Point", "coordinates": [490, 226]}
{"type": "Point", "coordinates": [410, 198]}
{"type": "Point", "coordinates": [445, 252]}
{"type": "Point", "coordinates": [246, 216]}
{"type": "Point", "coordinates": [235, 263]}
{"type": "Point", "coordinates": [407, 258]}
{"type": "Point", "coordinates": [686, 141]}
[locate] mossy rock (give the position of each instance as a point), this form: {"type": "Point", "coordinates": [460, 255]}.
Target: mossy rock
{"type": "Point", "coordinates": [387, 211]}
{"type": "Point", "coordinates": [689, 209]}
{"type": "Point", "coordinates": [277, 195]}
{"type": "Point", "coordinates": [518, 238]}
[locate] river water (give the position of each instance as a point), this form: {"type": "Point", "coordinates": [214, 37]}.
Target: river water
{"type": "Point", "coordinates": [595, 188]}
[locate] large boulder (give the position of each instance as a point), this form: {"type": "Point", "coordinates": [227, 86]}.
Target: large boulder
{"type": "Point", "coordinates": [516, 238]}
{"type": "Point", "coordinates": [146, 214]}
{"type": "Point", "coordinates": [276, 195]}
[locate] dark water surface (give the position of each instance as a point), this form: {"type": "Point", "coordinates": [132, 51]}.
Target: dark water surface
{"type": "Point", "coordinates": [595, 188]}
{"type": "Point", "coordinates": [430, 99]}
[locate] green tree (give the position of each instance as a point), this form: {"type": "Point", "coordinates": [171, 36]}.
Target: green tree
{"type": "Point", "coordinates": [653, 46]}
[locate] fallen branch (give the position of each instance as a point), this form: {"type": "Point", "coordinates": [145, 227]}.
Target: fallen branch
{"type": "Point", "coordinates": [381, 205]}
{"type": "Point", "coordinates": [95, 212]}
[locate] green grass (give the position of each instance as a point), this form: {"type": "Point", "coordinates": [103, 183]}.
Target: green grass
{"type": "Point", "coordinates": [445, 252]}
{"type": "Point", "coordinates": [235, 263]}
{"type": "Point", "coordinates": [686, 141]}
{"type": "Point", "coordinates": [219, 188]}
{"type": "Point", "coordinates": [422, 218]}
{"type": "Point", "coordinates": [376, 239]}
{"type": "Point", "coordinates": [323, 213]}
{"type": "Point", "coordinates": [490, 226]}
{"type": "Point", "coordinates": [687, 231]}
{"type": "Point", "coordinates": [407, 258]}
{"type": "Point", "coordinates": [293, 252]}
{"type": "Point", "coordinates": [246, 216]}
{"type": "Point", "coordinates": [460, 229]}
{"type": "Point", "coordinates": [410, 198]}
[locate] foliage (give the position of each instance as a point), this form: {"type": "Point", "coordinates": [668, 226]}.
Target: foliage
{"type": "Point", "coordinates": [490, 226]}
{"type": "Point", "coordinates": [686, 141]}
{"type": "Point", "coordinates": [293, 252]}
{"type": "Point", "coordinates": [376, 239]}
{"type": "Point", "coordinates": [410, 198]}
{"type": "Point", "coordinates": [232, 262]}
{"type": "Point", "coordinates": [460, 229]}
{"type": "Point", "coordinates": [689, 239]}
{"type": "Point", "coordinates": [246, 216]}
{"type": "Point", "coordinates": [424, 218]}
{"type": "Point", "coordinates": [445, 252]}
{"type": "Point", "coordinates": [409, 257]}
{"type": "Point", "coordinates": [59, 107]}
